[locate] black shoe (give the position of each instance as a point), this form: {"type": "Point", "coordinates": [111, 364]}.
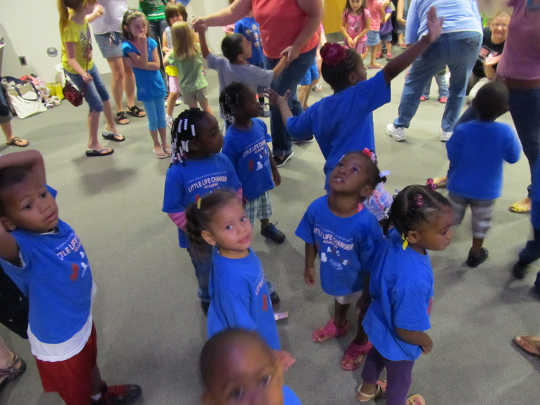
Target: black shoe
{"type": "Point", "coordinates": [119, 394]}
{"type": "Point", "coordinates": [519, 270]}
{"type": "Point", "coordinates": [280, 161]}
{"type": "Point", "coordinates": [274, 297]}
{"type": "Point", "coordinates": [271, 232]}
{"type": "Point", "coordinates": [204, 306]}
{"type": "Point", "coordinates": [476, 260]}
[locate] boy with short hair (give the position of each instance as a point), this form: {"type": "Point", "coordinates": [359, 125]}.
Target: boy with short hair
{"type": "Point", "coordinates": [45, 258]}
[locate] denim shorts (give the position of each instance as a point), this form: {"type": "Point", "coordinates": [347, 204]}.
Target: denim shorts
{"type": "Point", "coordinates": [386, 37]}
{"type": "Point", "coordinates": [110, 44]}
{"type": "Point", "coordinates": [94, 92]}
{"type": "Point", "coordinates": [373, 38]}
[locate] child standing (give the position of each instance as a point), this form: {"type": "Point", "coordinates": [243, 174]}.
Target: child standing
{"type": "Point", "coordinates": [173, 13]}
{"type": "Point", "coordinates": [440, 78]}
{"type": "Point", "coordinates": [239, 293]}
{"type": "Point", "coordinates": [377, 10]}
{"type": "Point", "coordinates": [355, 25]}
{"type": "Point", "coordinates": [477, 151]}
{"type": "Point", "coordinates": [186, 57]}
{"type": "Point", "coordinates": [249, 28]}
{"type": "Point", "coordinates": [237, 365]}
{"type": "Point", "coordinates": [386, 30]}
{"type": "Point", "coordinates": [79, 67]}
{"type": "Point", "coordinates": [344, 235]}
{"type": "Point", "coordinates": [401, 290]}
{"type": "Point", "coordinates": [141, 53]}
{"type": "Point", "coordinates": [197, 168]}
{"type": "Point", "coordinates": [45, 258]}
{"type": "Point", "coordinates": [246, 145]}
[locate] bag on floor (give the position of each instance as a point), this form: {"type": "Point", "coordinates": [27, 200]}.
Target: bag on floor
{"type": "Point", "coordinates": [23, 97]}
{"type": "Point", "coordinates": [13, 306]}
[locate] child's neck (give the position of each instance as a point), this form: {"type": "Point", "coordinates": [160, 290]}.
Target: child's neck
{"type": "Point", "coordinates": [343, 205]}
{"type": "Point", "coordinates": [240, 60]}
{"type": "Point", "coordinates": [233, 254]}
{"type": "Point", "coordinates": [243, 123]}
{"type": "Point", "coordinates": [418, 249]}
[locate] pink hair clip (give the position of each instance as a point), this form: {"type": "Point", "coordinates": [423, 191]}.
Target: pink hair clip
{"type": "Point", "coordinates": [369, 154]}
{"type": "Point", "coordinates": [431, 184]}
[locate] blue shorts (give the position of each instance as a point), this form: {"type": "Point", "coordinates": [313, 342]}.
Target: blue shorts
{"type": "Point", "coordinates": [386, 37]}
{"type": "Point", "coordinates": [110, 44]}
{"type": "Point", "coordinates": [94, 92]}
{"type": "Point", "coordinates": [311, 75]}
{"type": "Point", "coordinates": [373, 38]}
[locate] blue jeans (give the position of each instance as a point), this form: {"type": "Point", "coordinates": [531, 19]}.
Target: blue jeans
{"type": "Point", "coordinates": [457, 50]}
{"type": "Point", "coordinates": [155, 112]}
{"type": "Point", "coordinates": [287, 80]}
{"type": "Point", "coordinates": [440, 78]}
{"type": "Point", "coordinates": [95, 92]}
{"type": "Point", "coordinates": [202, 261]}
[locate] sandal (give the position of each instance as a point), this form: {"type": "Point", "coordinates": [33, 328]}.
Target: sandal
{"type": "Point", "coordinates": [99, 152]}
{"type": "Point", "coordinates": [521, 206]}
{"type": "Point", "coordinates": [111, 136]}
{"type": "Point", "coordinates": [354, 355]}
{"type": "Point", "coordinates": [135, 111]}
{"type": "Point", "coordinates": [121, 118]}
{"type": "Point", "coordinates": [416, 399]}
{"type": "Point", "coordinates": [160, 154]}
{"type": "Point", "coordinates": [16, 141]}
{"type": "Point", "coordinates": [329, 331]}
{"type": "Point", "coordinates": [530, 344]}
{"type": "Point", "coordinates": [12, 372]}
{"type": "Point", "coordinates": [379, 390]}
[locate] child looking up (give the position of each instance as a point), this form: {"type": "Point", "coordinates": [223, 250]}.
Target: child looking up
{"type": "Point", "coordinates": [246, 145]}
{"type": "Point", "coordinates": [45, 258]}
{"type": "Point", "coordinates": [173, 13]}
{"type": "Point", "coordinates": [141, 53]}
{"type": "Point", "coordinates": [477, 151]}
{"type": "Point", "coordinates": [186, 56]}
{"type": "Point", "coordinates": [344, 235]}
{"type": "Point", "coordinates": [249, 28]}
{"type": "Point", "coordinates": [238, 291]}
{"type": "Point", "coordinates": [237, 366]}
{"type": "Point", "coordinates": [79, 67]}
{"type": "Point", "coordinates": [401, 290]}
{"type": "Point", "coordinates": [197, 168]}
{"type": "Point", "coordinates": [355, 25]}
{"type": "Point", "coordinates": [343, 122]}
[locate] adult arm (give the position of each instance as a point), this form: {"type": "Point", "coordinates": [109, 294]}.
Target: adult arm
{"type": "Point", "coordinates": [202, 40]}
{"type": "Point", "coordinates": [225, 16]}
{"type": "Point", "coordinates": [399, 12]}
{"type": "Point", "coordinates": [314, 12]}
{"type": "Point", "coordinates": [282, 64]}
{"type": "Point", "coordinates": [98, 12]}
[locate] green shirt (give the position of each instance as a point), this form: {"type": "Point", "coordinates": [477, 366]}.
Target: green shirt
{"type": "Point", "coordinates": [153, 9]}
{"type": "Point", "coordinates": [191, 74]}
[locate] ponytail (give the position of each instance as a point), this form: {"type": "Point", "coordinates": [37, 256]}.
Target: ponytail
{"type": "Point", "coordinates": [63, 10]}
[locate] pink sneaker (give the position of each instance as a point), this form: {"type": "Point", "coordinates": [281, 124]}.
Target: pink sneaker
{"type": "Point", "coordinates": [443, 100]}
{"type": "Point", "coordinates": [424, 98]}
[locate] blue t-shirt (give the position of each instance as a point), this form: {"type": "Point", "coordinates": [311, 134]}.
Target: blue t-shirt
{"type": "Point", "coordinates": [55, 276]}
{"type": "Point", "coordinates": [249, 153]}
{"type": "Point", "coordinates": [289, 397]}
{"type": "Point", "coordinates": [249, 28]}
{"type": "Point", "coordinates": [401, 290]}
{"type": "Point", "coordinates": [345, 245]}
{"type": "Point", "coordinates": [239, 298]}
{"type": "Point", "coordinates": [477, 151]}
{"type": "Point", "coordinates": [185, 183]}
{"type": "Point", "coordinates": [343, 122]}
{"type": "Point", "coordinates": [149, 82]}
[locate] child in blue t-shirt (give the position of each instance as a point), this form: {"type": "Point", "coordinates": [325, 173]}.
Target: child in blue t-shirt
{"type": "Point", "coordinates": [141, 54]}
{"type": "Point", "coordinates": [401, 291]}
{"type": "Point", "coordinates": [246, 145]}
{"type": "Point", "coordinates": [477, 151]}
{"type": "Point", "coordinates": [239, 296]}
{"type": "Point", "coordinates": [249, 28]}
{"type": "Point", "coordinates": [237, 366]}
{"type": "Point", "coordinates": [197, 168]}
{"type": "Point", "coordinates": [44, 257]}
{"type": "Point", "coordinates": [344, 234]}
{"type": "Point", "coordinates": [343, 122]}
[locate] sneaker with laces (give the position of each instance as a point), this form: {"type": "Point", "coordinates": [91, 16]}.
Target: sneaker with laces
{"type": "Point", "coordinates": [445, 135]}
{"type": "Point", "coordinates": [398, 133]}
{"type": "Point", "coordinates": [281, 161]}
{"type": "Point", "coordinates": [119, 394]}
{"type": "Point", "coordinates": [271, 232]}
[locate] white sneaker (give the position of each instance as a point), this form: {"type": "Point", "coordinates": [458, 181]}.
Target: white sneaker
{"type": "Point", "coordinates": [445, 135]}
{"type": "Point", "coordinates": [398, 133]}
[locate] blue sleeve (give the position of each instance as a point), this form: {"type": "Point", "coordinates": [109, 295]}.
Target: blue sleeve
{"type": "Point", "coordinates": [174, 193]}
{"type": "Point", "coordinates": [305, 228]}
{"type": "Point", "coordinates": [367, 242]}
{"type": "Point", "coordinates": [410, 308]}
{"type": "Point", "coordinates": [372, 93]}
{"type": "Point", "coordinates": [52, 191]}
{"type": "Point", "coordinates": [453, 146]}
{"type": "Point", "coordinates": [216, 62]}
{"type": "Point", "coordinates": [229, 148]}
{"type": "Point", "coordinates": [413, 23]}
{"type": "Point", "coordinates": [152, 44]}
{"type": "Point", "coordinates": [513, 146]}
{"type": "Point", "coordinates": [234, 182]}
{"type": "Point", "coordinates": [239, 27]}
{"type": "Point", "coordinates": [301, 126]}
{"type": "Point", "coordinates": [128, 48]}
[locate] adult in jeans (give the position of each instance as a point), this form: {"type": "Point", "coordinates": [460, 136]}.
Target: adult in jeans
{"type": "Point", "coordinates": [290, 28]}
{"type": "Point", "coordinates": [106, 21]}
{"type": "Point", "coordinates": [457, 47]}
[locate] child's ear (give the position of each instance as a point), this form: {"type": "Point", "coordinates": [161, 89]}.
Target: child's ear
{"type": "Point", "coordinates": [413, 237]}
{"type": "Point", "coordinates": [366, 191]}
{"type": "Point", "coordinates": [208, 238]}
{"type": "Point", "coordinates": [7, 224]}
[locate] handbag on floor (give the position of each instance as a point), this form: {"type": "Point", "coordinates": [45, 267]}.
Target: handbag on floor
{"type": "Point", "coordinates": [23, 97]}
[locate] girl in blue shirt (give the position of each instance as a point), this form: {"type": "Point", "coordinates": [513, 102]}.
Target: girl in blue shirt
{"type": "Point", "coordinates": [344, 234]}
{"type": "Point", "coordinates": [239, 296]}
{"type": "Point", "coordinates": [401, 291]}
{"type": "Point", "coordinates": [238, 367]}
{"type": "Point", "coordinates": [141, 53]}
{"type": "Point", "coordinates": [197, 168]}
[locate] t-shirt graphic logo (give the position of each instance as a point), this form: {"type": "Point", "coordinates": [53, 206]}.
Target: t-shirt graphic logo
{"type": "Point", "coordinates": [324, 259]}
{"type": "Point", "coordinates": [75, 272]}
{"type": "Point", "coordinates": [265, 302]}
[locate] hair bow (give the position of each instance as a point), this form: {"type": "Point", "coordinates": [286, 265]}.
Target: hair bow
{"type": "Point", "coordinates": [333, 54]}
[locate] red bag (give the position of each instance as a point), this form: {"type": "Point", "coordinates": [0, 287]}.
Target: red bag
{"type": "Point", "coordinates": [72, 95]}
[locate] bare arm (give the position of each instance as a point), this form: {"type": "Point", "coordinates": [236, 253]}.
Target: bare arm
{"type": "Point", "coordinates": [282, 64]}
{"type": "Point", "coordinates": [413, 337]}
{"type": "Point", "coordinates": [141, 61]}
{"type": "Point", "coordinates": [399, 12]}
{"type": "Point", "coordinates": [309, 270]}
{"type": "Point", "coordinates": [314, 13]}
{"type": "Point", "coordinates": [228, 15]}
{"type": "Point", "coordinates": [72, 61]}
{"type": "Point", "coordinates": [204, 45]}
{"type": "Point", "coordinates": [275, 172]}
{"type": "Point", "coordinates": [165, 47]}
{"type": "Point", "coordinates": [98, 12]}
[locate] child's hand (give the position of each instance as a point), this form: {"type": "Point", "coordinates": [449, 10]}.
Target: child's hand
{"type": "Point", "coordinates": [285, 359]}
{"type": "Point", "coordinates": [87, 77]}
{"type": "Point", "coordinates": [309, 276]}
{"type": "Point", "coordinates": [199, 25]}
{"type": "Point", "coordinates": [291, 53]}
{"type": "Point", "coordinates": [275, 98]}
{"type": "Point", "coordinates": [427, 346]}
{"type": "Point", "coordinates": [434, 25]}
{"type": "Point", "coordinates": [276, 176]}
{"type": "Point", "coordinates": [99, 10]}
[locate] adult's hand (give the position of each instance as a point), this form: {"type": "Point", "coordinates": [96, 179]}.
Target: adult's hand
{"type": "Point", "coordinates": [199, 24]}
{"type": "Point", "coordinates": [291, 53]}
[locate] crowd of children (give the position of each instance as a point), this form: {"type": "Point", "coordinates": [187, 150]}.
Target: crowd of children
{"type": "Point", "coordinates": [372, 247]}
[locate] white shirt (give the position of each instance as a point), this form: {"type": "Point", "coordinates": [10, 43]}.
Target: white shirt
{"type": "Point", "coordinates": [111, 20]}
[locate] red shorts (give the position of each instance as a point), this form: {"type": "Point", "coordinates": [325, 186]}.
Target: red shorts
{"type": "Point", "coordinates": [71, 378]}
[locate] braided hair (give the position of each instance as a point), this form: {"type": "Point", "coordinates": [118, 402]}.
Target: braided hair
{"type": "Point", "coordinates": [232, 97]}
{"type": "Point", "coordinates": [337, 63]}
{"type": "Point", "coordinates": [185, 129]}
{"type": "Point", "coordinates": [415, 205]}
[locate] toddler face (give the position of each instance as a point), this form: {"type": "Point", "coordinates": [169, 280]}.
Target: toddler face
{"type": "Point", "coordinates": [437, 233]}
{"type": "Point", "coordinates": [356, 4]}
{"type": "Point", "coordinates": [350, 175]}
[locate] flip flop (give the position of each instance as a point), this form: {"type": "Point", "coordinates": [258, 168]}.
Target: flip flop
{"type": "Point", "coordinates": [523, 342]}
{"type": "Point", "coordinates": [135, 111]}
{"type": "Point", "coordinates": [16, 141]}
{"type": "Point", "coordinates": [520, 208]}
{"type": "Point", "coordinates": [111, 136]}
{"type": "Point", "coordinates": [161, 154]}
{"type": "Point", "coordinates": [99, 152]}
{"type": "Point", "coordinates": [12, 372]}
{"type": "Point", "coordinates": [121, 118]}
{"type": "Point", "coordinates": [354, 355]}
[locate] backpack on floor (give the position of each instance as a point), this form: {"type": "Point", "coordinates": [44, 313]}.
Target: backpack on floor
{"type": "Point", "coordinates": [23, 97]}
{"type": "Point", "coordinates": [13, 306]}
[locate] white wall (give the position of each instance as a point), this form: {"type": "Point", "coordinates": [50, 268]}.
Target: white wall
{"type": "Point", "coordinates": [29, 30]}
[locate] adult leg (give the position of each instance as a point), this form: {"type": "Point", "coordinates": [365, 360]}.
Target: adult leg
{"type": "Point", "coordinates": [117, 86]}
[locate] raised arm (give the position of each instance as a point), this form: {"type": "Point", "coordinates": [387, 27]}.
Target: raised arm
{"type": "Point", "coordinates": [225, 16]}
{"type": "Point", "coordinates": [202, 40]}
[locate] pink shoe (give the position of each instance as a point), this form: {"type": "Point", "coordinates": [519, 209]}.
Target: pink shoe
{"type": "Point", "coordinates": [354, 355]}
{"type": "Point", "coordinates": [443, 100]}
{"type": "Point", "coordinates": [329, 331]}
{"type": "Point", "coordinates": [424, 98]}
{"type": "Point", "coordinates": [389, 55]}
